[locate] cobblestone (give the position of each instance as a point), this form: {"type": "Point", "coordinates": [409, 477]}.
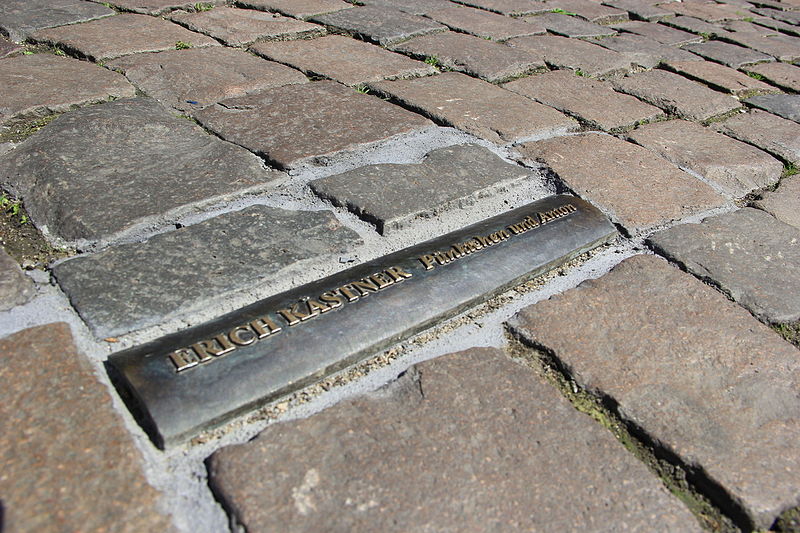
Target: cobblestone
{"type": "Point", "coordinates": [720, 77]}
{"type": "Point", "coordinates": [7, 48]}
{"type": "Point", "coordinates": [643, 10]}
{"type": "Point", "coordinates": [790, 17]}
{"type": "Point", "coordinates": [783, 105]}
{"type": "Point", "coordinates": [782, 47]}
{"type": "Point", "coordinates": [784, 202]}
{"type": "Point", "coordinates": [782, 75]}
{"type": "Point", "coordinates": [157, 7]}
{"type": "Point", "coordinates": [483, 23]}
{"type": "Point", "coordinates": [378, 24]}
{"type": "Point", "coordinates": [15, 287]}
{"type": "Point", "coordinates": [574, 54]}
{"type": "Point", "coordinates": [569, 26]}
{"type": "Point", "coordinates": [659, 33]}
{"type": "Point", "coordinates": [776, 135]}
{"type": "Point", "coordinates": [644, 52]}
{"type": "Point", "coordinates": [301, 9]}
{"type": "Point", "coordinates": [707, 11]}
{"type": "Point", "coordinates": [590, 10]}
{"type": "Point", "coordinates": [728, 54]}
{"type": "Point", "coordinates": [20, 18]}
{"type": "Point", "coordinates": [694, 25]}
{"type": "Point", "coordinates": [514, 8]}
{"type": "Point", "coordinates": [414, 7]}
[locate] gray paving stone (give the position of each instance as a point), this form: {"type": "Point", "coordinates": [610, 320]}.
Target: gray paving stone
{"type": "Point", "coordinates": [69, 463]}
{"type": "Point", "coordinates": [69, 83]}
{"type": "Point", "coordinates": [478, 107]}
{"type": "Point", "coordinates": [490, 61]}
{"type": "Point", "coordinates": [720, 77]}
{"type": "Point", "coordinates": [302, 9]}
{"type": "Point", "coordinates": [110, 168]}
{"type": "Point", "coordinates": [574, 54]}
{"type": "Point", "coordinates": [512, 8]}
{"type": "Point", "coordinates": [8, 48]}
{"type": "Point", "coordinates": [343, 59]}
{"type": "Point", "coordinates": [569, 26]}
{"type": "Point", "coordinates": [415, 7]}
{"type": "Point", "coordinates": [659, 33]}
{"type": "Point", "coordinates": [644, 10]}
{"type": "Point", "coordinates": [782, 75]}
{"type": "Point", "coordinates": [643, 51]}
{"type": "Point", "coordinates": [135, 285]}
{"type": "Point", "coordinates": [483, 23]}
{"type": "Point", "coordinates": [728, 54]}
{"type": "Point", "coordinates": [389, 463]}
{"type": "Point", "coordinates": [784, 202]}
{"type": "Point", "coordinates": [308, 124]}
{"type": "Point", "coordinates": [593, 102]}
{"type": "Point", "coordinates": [590, 10]}
{"type": "Point", "coordinates": [632, 184]}
{"type": "Point", "coordinates": [766, 22]}
{"type": "Point", "coordinates": [448, 178]}
{"type": "Point", "coordinates": [776, 135]}
{"type": "Point", "coordinates": [196, 78]}
{"type": "Point", "coordinates": [677, 95]}
{"type": "Point", "coordinates": [15, 287]}
{"type": "Point", "coordinates": [382, 25]}
{"type": "Point", "coordinates": [157, 7]}
{"type": "Point", "coordinates": [696, 372]}
{"type": "Point", "coordinates": [694, 25]}
{"type": "Point", "coordinates": [20, 18]}
{"type": "Point", "coordinates": [707, 11]}
{"type": "Point", "coordinates": [783, 105]}
{"type": "Point", "coordinates": [241, 27]}
{"type": "Point", "coordinates": [121, 35]}
{"type": "Point", "coordinates": [790, 17]}
{"type": "Point", "coordinates": [782, 47]}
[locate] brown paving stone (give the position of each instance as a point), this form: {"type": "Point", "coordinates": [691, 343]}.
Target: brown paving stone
{"type": "Point", "coordinates": [782, 47]}
{"type": "Point", "coordinates": [694, 25]}
{"type": "Point", "coordinates": [728, 54]}
{"type": "Point", "coordinates": [569, 26]}
{"type": "Point", "coordinates": [574, 54]}
{"type": "Point", "coordinates": [590, 10]}
{"type": "Point", "coordinates": [783, 105]}
{"type": "Point", "coordinates": [705, 10]}
{"type": "Point", "coordinates": [677, 95]}
{"type": "Point", "coordinates": [290, 125]}
{"type": "Point", "coordinates": [638, 188]}
{"type": "Point", "coordinates": [68, 463]}
{"type": "Point", "coordinates": [721, 78]}
{"type": "Point", "coordinates": [378, 24]}
{"type": "Point", "coordinates": [20, 18]}
{"type": "Point", "coordinates": [643, 51]}
{"type": "Point", "coordinates": [483, 23]}
{"type": "Point", "coordinates": [121, 35]}
{"type": "Point", "coordinates": [478, 107]}
{"type": "Point", "coordinates": [790, 17]}
{"type": "Point", "coordinates": [641, 9]}
{"type": "Point", "coordinates": [781, 74]}
{"type": "Point", "coordinates": [591, 101]}
{"type": "Point", "coordinates": [157, 7]}
{"type": "Point", "coordinates": [659, 33]}
{"type": "Point", "coordinates": [15, 287]}
{"type": "Point", "coordinates": [791, 29]}
{"type": "Point", "coordinates": [696, 372]}
{"type": "Point", "coordinates": [415, 7]}
{"type": "Point", "coordinates": [784, 202]}
{"type": "Point", "coordinates": [203, 75]}
{"type": "Point", "coordinates": [69, 83]}
{"type": "Point", "coordinates": [343, 59]}
{"type": "Point", "coordinates": [514, 8]}
{"type": "Point", "coordinates": [773, 134]}
{"type": "Point", "coordinates": [241, 27]}
{"type": "Point", "coordinates": [302, 9]}
{"type": "Point", "coordinates": [438, 450]}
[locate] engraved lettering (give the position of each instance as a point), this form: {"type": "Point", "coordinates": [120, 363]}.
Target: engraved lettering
{"type": "Point", "coordinates": [242, 335]}
{"type": "Point", "coordinates": [484, 242]}
{"type": "Point", "coordinates": [365, 286]}
{"type": "Point", "coordinates": [349, 293]}
{"type": "Point", "coordinates": [382, 280]}
{"type": "Point", "coordinates": [207, 350]}
{"type": "Point", "coordinates": [264, 327]}
{"type": "Point", "coordinates": [397, 273]}
{"type": "Point", "coordinates": [316, 308]}
{"type": "Point", "coordinates": [428, 261]}
{"type": "Point", "coordinates": [294, 316]}
{"type": "Point", "coordinates": [331, 299]}
{"type": "Point", "coordinates": [183, 359]}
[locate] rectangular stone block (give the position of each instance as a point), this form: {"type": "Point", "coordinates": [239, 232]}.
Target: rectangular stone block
{"type": "Point", "coordinates": [643, 51]}
{"type": "Point", "coordinates": [512, 8]}
{"type": "Point", "coordinates": [782, 75]}
{"type": "Point", "coordinates": [784, 202]}
{"type": "Point", "coordinates": [20, 18]}
{"type": "Point", "coordinates": [590, 10]}
{"type": "Point", "coordinates": [483, 23]}
{"type": "Point", "coordinates": [728, 54]}
{"type": "Point", "coordinates": [569, 26]}
{"type": "Point", "coordinates": [301, 9]}
{"type": "Point", "coordinates": [381, 25]}
{"type": "Point", "coordinates": [721, 77]}
{"type": "Point", "coordinates": [575, 54]}
{"type": "Point", "coordinates": [783, 105]}
{"type": "Point", "coordinates": [659, 33]}
{"type": "Point", "coordinates": [773, 134]}
{"type": "Point", "coordinates": [643, 10]}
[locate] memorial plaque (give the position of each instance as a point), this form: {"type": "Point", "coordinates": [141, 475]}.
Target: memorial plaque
{"type": "Point", "coordinates": [201, 377]}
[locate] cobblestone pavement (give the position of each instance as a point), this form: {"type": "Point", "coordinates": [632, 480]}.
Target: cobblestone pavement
{"type": "Point", "coordinates": [164, 162]}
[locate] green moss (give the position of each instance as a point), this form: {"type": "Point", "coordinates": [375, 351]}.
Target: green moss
{"type": "Point", "coordinates": [181, 45]}
{"type": "Point", "coordinates": [789, 169]}
{"type": "Point", "coordinates": [563, 12]}
{"type": "Point", "coordinates": [789, 331]}
{"type": "Point", "coordinates": [22, 130]}
{"type": "Point", "coordinates": [756, 76]}
{"type": "Point", "coordinates": [788, 522]}
{"type": "Point", "coordinates": [203, 6]}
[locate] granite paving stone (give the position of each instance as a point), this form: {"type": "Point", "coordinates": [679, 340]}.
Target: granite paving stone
{"type": "Point", "coordinates": [389, 461]}
{"type": "Point", "coordinates": [134, 158]}
{"type": "Point", "coordinates": [301, 9]}
{"type": "Point", "coordinates": [343, 59]}
{"type": "Point", "coordinates": [69, 463]}
{"type": "Point", "coordinates": [196, 78]}
{"type": "Point", "coordinates": [241, 27]}
{"type": "Point", "coordinates": [635, 186]}
{"type": "Point", "coordinates": [737, 167]}
{"type": "Point", "coordinates": [415, 7]}
{"type": "Point", "coordinates": [448, 178]}
{"type": "Point", "coordinates": [590, 10]}
{"type": "Point", "coordinates": [308, 124]}
{"type": "Point", "coordinates": [642, 10]}
{"type": "Point", "coordinates": [781, 47]}
{"type": "Point", "coordinates": [488, 60]}
{"type": "Point", "coordinates": [660, 33]}
{"type": "Point", "coordinates": [720, 77]}
{"type": "Point", "coordinates": [643, 52]}
{"type": "Point", "coordinates": [8, 48]}
{"type": "Point", "coordinates": [708, 11]}
{"type": "Point", "coordinates": [483, 23]}
{"type": "Point", "coordinates": [382, 25]}
{"type": "Point", "coordinates": [784, 202]}
{"type": "Point", "coordinates": [131, 286]}
{"type": "Point", "coordinates": [790, 17]}
{"type": "Point", "coordinates": [694, 25]}
{"type": "Point", "coordinates": [782, 75]}
{"type": "Point", "coordinates": [773, 134]}
{"type": "Point", "coordinates": [785, 27]}
{"type": "Point", "coordinates": [478, 107]}
{"type": "Point", "coordinates": [20, 18]}
{"type": "Point", "coordinates": [157, 7]}
{"type": "Point", "coordinates": [751, 256]}
{"type": "Point", "coordinates": [569, 26]}
{"type": "Point", "coordinates": [69, 83]}
{"type": "Point", "coordinates": [696, 372]}
{"type": "Point", "coordinates": [574, 54]}
{"type": "Point", "coordinates": [783, 105]}
{"type": "Point", "coordinates": [593, 102]}
{"type": "Point", "coordinates": [15, 287]}
{"type": "Point", "coordinates": [513, 8]}
{"type": "Point", "coordinates": [728, 54]}
{"type": "Point", "coordinates": [677, 95]}
{"type": "Point", "coordinates": [112, 37]}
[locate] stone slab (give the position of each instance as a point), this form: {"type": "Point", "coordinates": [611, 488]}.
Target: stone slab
{"type": "Point", "coordinates": [736, 167]}
{"type": "Point", "coordinates": [660, 33]}
{"type": "Point", "coordinates": [790, 29]}
{"type": "Point", "coordinates": [728, 54]}
{"type": "Point", "coordinates": [720, 77]}
{"type": "Point", "coordinates": [593, 102]}
{"type": "Point", "coordinates": [414, 7]}
{"type": "Point", "coordinates": [704, 10]}
{"type": "Point", "coordinates": [394, 196]}
{"type": "Point", "coordinates": [158, 7]}
{"type": "Point", "coordinates": [399, 468]}
{"type": "Point", "coordinates": [242, 27]}
{"type": "Point", "coordinates": [343, 59]}
{"type": "Point", "coordinates": [483, 23]}
{"type": "Point", "coordinates": [69, 463]}
{"type": "Point", "coordinates": [512, 8]}
{"type": "Point", "coordinates": [782, 47]}
{"type": "Point", "coordinates": [784, 202]}
{"type": "Point", "coordinates": [636, 187]}
{"type": "Point", "coordinates": [69, 83]}
{"type": "Point", "coordinates": [642, 10]}
{"type": "Point", "coordinates": [8, 48]}
{"type": "Point", "coordinates": [477, 107]}
{"type": "Point", "coordinates": [773, 134]}
{"type": "Point", "coordinates": [694, 25]}
{"type": "Point", "coordinates": [378, 24]}
{"type": "Point", "coordinates": [783, 105]}
{"type": "Point", "coordinates": [15, 287]}
{"type": "Point", "coordinates": [751, 256]}
{"type": "Point", "coordinates": [132, 157]}
{"type": "Point", "coordinates": [643, 51]}
{"type": "Point", "coordinates": [121, 35]}
{"type": "Point", "coordinates": [569, 26]}
{"type": "Point", "coordinates": [183, 391]}
{"type": "Point", "coordinates": [676, 95]}
{"type": "Point", "coordinates": [782, 75]}
{"type": "Point", "coordinates": [301, 9]}
{"type": "Point", "coordinates": [309, 123]}
{"type": "Point", "coordinates": [196, 78]}
{"type": "Point", "coordinates": [20, 18]}
{"type": "Point", "coordinates": [574, 54]}
{"type": "Point", "coordinates": [696, 372]}
{"type": "Point", "coordinates": [590, 10]}
{"type": "Point", "coordinates": [790, 17]}
{"type": "Point", "coordinates": [490, 61]}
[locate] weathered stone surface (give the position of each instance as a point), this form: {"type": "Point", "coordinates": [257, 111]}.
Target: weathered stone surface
{"type": "Point", "coordinates": [20, 18]}
{"type": "Point", "coordinates": [121, 35]}
{"type": "Point", "coordinates": [590, 10]}
{"type": "Point", "coordinates": [157, 7]}
{"type": "Point", "coordinates": [343, 59]}
{"type": "Point", "coordinates": [132, 157]}
{"type": "Point", "coordinates": [512, 8]}
{"type": "Point", "coordinates": [694, 25]}
{"type": "Point", "coordinates": [721, 77]}
{"type": "Point", "coordinates": [483, 23]}
{"type": "Point", "coordinates": [69, 83]}
{"type": "Point", "coordinates": [699, 375]}
{"type": "Point", "coordinates": [448, 178]}
{"type": "Point", "coordinates": [790, 17]}
{"type": "Point", "coordinates": [766, 22]}
{"type": "Point", "coordinates": [591, 101]}
{"type": "Point", "coordinates": [15, 287]}
{"type": "Point", "coordinates": [704, 10]}
{"type": "Point", "coordinates": [574, 54]}
{"type": "Point", "coordinates": [569, 26]}
{"type": "Point", "coordinates": [781, 74]}
{"type": "Point", "coordinates": [677, 95]}
{"type": "Point", "coordinates": [784, 202]}
{"type": "Point", "coordinates": [783, 105]}
{"type": "Point", "coordinates": [302, 9]}
{"type": "Point", "coordinates": [415, 7]}
{"type": "Point", "coordinates": [737, 167]}
{"type": "Point", "coordinates": [660, 33]}
{"type": "Point", "coordinates": [7, 48]}
{"type": "Point", "coordinates": [241, 27]}
{"type": "Point", "coordinates": [643, 51]}
{"type": "Point", "coordinates": [68, 462]}
{"type": "Point", "coordinates": [472, 55]}
{"type": "Point", "coordinates": [382, 25]}
{"type": "Point", "coordinates": [638, 188]}
{"type": "Point", "coordinates": [291, 125]}
{"type": "Point", "coordinates": [750, 255]}
{"type": "Point", "coordinates": [478, 107]}
{"type": "Point", "coordinates": [728, 54]}
{"type": "Point", "coordinates": [642, 10]}
{"type": "Point", "coordinates": [193, 79]}
{"type": "Point", "coordinates": [136, 285]}
{"type": "Point", "coordinates": [501, 453]}
{"type": "Point", "coordinates": [773, 134]}
{"type": "Point", "coordinates": [782, 47]}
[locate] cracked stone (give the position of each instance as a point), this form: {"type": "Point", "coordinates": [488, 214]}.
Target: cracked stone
{"type": "Point", "coordinates": [784, 202]}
